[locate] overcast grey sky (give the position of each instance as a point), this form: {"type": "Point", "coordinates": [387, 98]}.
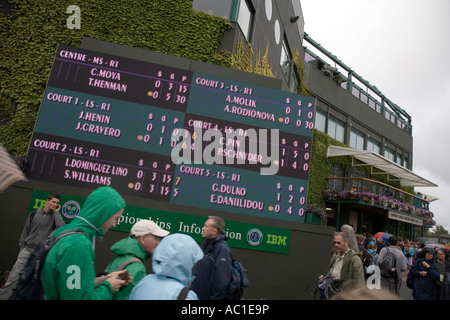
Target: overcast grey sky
{"type": "Point", "coordinates": [402, 47]}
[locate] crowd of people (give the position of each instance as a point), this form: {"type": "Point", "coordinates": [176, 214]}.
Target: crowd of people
{"type": "Point", "coordinates": [69, 273]}
{"type": "Point", "coordinates": [183, 269]}
{"type": "Point", "coordinates": [381, 262]}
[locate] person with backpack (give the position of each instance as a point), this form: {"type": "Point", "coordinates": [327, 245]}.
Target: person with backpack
{"type": "Point", "coordinates": [363, 254]}
{"type": "Point", "coordinates": [172, 264]}
{"type": "Point", "coordinates": [213, 273]}
{"type": "Point", "coordinates": [392, 262]}
{"type": "Point", "coordinates": [133, 251]}
{"type": "Point", "coordinates": [39, 225]}
{"type": "Point", "coordinates": [346, 271]}
{"type": "Point", "coordinates": [68, 272]}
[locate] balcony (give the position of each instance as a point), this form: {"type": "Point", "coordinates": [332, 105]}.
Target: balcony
{"type": "Point", "coordinates": [350, 81]}
{"type": "Point", "coordinates": [376, 194]}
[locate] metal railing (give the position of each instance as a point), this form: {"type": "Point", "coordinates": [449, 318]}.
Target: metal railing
{"type": "Point", "coordinates": [376, 192]}
{"type": "Point", "coordinates": [371, 95]}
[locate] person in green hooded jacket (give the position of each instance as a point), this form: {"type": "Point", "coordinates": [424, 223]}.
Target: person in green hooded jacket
{"type": "Point", "coordinates": [145, 235]}
{"type": "Point", "coordinates": [69, 272]}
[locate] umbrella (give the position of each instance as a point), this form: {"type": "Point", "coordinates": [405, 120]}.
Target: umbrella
{"type": "Point", "coordinates": [430, 244]}
{"type": "Point", "coordinates": [9, 171]}
{"type": "Point", "coordinates": [383, 235]}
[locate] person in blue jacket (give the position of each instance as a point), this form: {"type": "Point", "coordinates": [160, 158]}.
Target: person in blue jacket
{"type": "Point", "coordinates": [172, 264]}
{"type": "Point", "coordinates": [425, 273]}
{"type": "Point", "coordinates": [213, 272]}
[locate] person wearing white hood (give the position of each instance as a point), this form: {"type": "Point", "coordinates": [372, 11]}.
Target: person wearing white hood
{"type": "Point", "coordinates": [172, 264]}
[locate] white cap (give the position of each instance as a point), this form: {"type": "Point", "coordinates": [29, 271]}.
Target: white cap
{"type": "Point", "coordinates": [143, 227]}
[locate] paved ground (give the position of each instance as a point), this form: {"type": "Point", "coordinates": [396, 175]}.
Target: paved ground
{"type": "Point", "coordinates": [405, 292]}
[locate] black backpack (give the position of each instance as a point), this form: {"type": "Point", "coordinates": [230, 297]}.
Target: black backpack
{"type": "Point", "coordinates": [239, 281]}
{"type": "Point", "coordinates": [202, 272]}
{"type": "Point", "coordinates": [30, 285]}
{"type": "Point", "coordinates": [388, 266]}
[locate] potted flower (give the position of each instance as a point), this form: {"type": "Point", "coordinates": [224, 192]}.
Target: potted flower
{"type": "Point", "coordinates": [384, 201]}
{"type": "Point", "coordinates": [330, 194]}
{"type": "Point", "coordinates": [404, 207]}
{"type": "Point", "coordinates": [368, 196]}
{"type": "Point", "coordinates": [314, 214]}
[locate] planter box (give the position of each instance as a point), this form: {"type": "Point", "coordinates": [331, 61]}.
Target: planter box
{"type": "Point", "coordinates": [312, 218]}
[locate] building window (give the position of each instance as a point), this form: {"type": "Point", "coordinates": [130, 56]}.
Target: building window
{"type": "Point", "coordinates": [372, 103]}
{"type": "Point", "coordinates": [373, 145]}
{"type": "Point", "coordinates": [285, 60]}
{"type": "Point", "coordinates": [336, 129]}
{"type": "Point", "coordinates": [244, 18]}
{"type": "Point", "coordinates": [321, 120]}
{"type": "Point", "coordinates": [389, 154]}
{"type": "Point", "coordinates": [356, 172]}
{"type": "Point", "coordinates": [399, 159]}
{"type": "Point", "coordinates": [336, 171]}
{"type": "Point", "coordinates": [355, 92]}
{"type": "Point", "coordinates": [378, 107]}
{"type": "Point", "coordinates": [405, 161]}
{"type": "Point", "coordinates": [356, 139]}
{"type": "Point", "coordinates": [364, 98]}
{"type": "Point", "coordinates": [293, 86]}
{"type": "Point", "coordinates": [287, 68]}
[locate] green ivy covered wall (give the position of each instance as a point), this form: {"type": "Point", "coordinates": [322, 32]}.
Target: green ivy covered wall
{"type": "Point", "coordinates": [320, 166]}
{"type": "Point", "coordinates": [30, 34]}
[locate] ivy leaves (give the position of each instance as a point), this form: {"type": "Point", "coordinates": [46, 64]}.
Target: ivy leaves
{"type": "Point", "coordinates": [29, 37]}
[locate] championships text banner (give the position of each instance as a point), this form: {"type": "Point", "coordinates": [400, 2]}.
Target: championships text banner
{"type": "Point", "coordinates": [240, 235]}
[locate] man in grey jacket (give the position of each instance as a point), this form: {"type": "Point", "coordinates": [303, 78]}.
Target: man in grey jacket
{"type": "Point", "coordinates": [394, 281]}
{"type": "Point", "coordinates": [39, 225]}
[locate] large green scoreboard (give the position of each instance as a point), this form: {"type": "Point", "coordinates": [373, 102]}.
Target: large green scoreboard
{"type": "Point", "coordinates": [173, 135]}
